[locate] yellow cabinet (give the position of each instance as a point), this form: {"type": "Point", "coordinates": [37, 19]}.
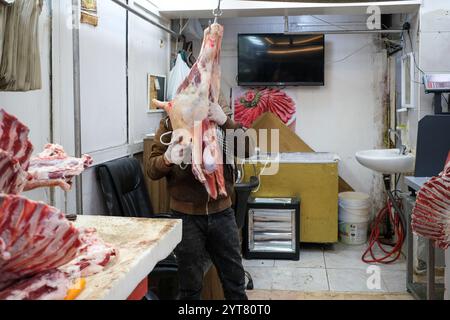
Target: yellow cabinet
{"type": "Point", "coordinates": [313, 178]}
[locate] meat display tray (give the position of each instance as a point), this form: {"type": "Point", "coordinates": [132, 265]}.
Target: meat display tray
{"type": "Point", "coordinates": [272, 229]}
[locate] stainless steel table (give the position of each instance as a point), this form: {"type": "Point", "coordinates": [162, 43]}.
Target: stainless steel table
{"type": "Point", "coordinates": [430, 290]}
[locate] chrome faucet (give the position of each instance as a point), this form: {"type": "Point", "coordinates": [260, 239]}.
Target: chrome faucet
{"type": "Point", "coordinates": [399, 144]}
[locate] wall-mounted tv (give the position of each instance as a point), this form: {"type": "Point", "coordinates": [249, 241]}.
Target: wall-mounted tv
{"type": "Point", "coordinates": [281, 60]}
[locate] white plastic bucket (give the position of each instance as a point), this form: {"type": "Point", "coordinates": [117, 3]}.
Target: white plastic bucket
{"type": "Point", "coordinates": [355, 200]}
{"type": "Point", "coordinates": [354, 216]}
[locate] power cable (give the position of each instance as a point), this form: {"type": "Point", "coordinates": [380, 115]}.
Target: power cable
{"type": "Point", "coordinates": [414, 56]}
{"type": "Point", "coordinates": [351, 54]}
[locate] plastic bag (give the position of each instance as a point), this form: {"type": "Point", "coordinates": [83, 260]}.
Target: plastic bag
{"type": "Point", "coordinates": [176, 77]}
{"type": "Point", "coordinates": [193, 30]}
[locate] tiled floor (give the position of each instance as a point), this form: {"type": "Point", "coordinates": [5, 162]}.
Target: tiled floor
{"type": "Point", "coordinates": [324, 295]}
{"type": "Point", "coordinates": [335, 269]}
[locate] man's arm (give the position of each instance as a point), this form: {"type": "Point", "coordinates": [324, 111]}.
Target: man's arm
{"type": "Point", "coordinates": [159, 167]}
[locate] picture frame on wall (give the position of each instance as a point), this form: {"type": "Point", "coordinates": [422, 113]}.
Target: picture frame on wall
{"type": "Point", "coordinates": [157, 89]}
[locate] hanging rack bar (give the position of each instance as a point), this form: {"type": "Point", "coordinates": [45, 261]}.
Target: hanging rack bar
{"type": "Point", "coordinates": [77, 101]}
{"type": "Point", "coordinates": [144, 17]}
{"type": "Point", "coordinates": [345, 32]}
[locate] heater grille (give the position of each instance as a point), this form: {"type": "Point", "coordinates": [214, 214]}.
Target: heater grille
{"type": "Point", "coordinates": [272, 229]}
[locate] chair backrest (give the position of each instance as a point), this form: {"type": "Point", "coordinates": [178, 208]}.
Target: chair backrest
{"type": "Point", "coordinates": [124, 189]}
{"type": "Point", "coordinates": [242, 193]}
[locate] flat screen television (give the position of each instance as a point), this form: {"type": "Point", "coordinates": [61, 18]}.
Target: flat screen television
{"type": "Point", "coordinates": [281, 60]}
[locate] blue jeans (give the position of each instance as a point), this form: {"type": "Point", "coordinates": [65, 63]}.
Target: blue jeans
{"type": "Point", "coordinates": [215, 235]}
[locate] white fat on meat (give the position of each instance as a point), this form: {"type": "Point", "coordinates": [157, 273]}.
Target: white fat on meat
{"type": "Point", "coordinates": [54, 163]}
{"type": "Point", "coordinates": [193, 97]}
{"type": "Point", "coordinates": [52, 285]}
{"type": "Point", "coordinates": [92, 257]}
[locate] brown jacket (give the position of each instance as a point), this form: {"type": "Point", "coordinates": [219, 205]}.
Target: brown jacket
{"type": "Point", "coordinates": [187, 194]}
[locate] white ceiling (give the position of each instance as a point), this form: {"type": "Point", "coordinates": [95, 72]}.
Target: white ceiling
{"type": "Point", "coordinates": [233, 8]}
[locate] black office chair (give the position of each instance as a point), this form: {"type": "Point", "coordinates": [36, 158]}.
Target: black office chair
{"type": "Point", "coordinates": [126, 195]}
{"type": "Point", "coordinates": [242, 193]}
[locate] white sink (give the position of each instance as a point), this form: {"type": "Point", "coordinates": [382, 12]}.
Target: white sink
{"type": "Point", "coordinates": [388, 161]}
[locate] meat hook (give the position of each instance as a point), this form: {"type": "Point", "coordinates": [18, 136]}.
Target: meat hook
{"type": "Point", "coordinates": [217, 12]}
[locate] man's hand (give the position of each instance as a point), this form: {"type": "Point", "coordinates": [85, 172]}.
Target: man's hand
{"type": "Point", "coordinates": [177, 152]}
{"type": "Point", "coordinates": [216, 114]}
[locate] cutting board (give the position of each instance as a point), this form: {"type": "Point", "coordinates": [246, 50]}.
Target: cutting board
{"type": "Point", "coordinates": [289, 140]}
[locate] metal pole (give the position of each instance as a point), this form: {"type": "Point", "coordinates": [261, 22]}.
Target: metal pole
{"type": "Point", "coordinates": [77, 97]}
{"type": "Point", "coordinates": [430, 270]}
{"type": "Point", "coordinates": [345, 32]}
{"type": "Point", "coordinates": [286, 24]}
{"type": "Point", "coordinates": [142, 16]}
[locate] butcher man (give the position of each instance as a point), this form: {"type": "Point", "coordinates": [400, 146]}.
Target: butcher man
{"type": "Point", "coordinates": [209, 226]}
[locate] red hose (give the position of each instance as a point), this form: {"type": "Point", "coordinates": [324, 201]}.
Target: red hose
{"type": "Point", "coordinates": [393, 253]}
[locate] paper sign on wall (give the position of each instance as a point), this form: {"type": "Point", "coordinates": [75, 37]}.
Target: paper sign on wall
{"type": "Point", "coordinates": [89, 13]}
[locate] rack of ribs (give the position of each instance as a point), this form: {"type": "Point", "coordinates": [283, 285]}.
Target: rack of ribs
{"type": "Point", "coordinates": [188, 113]}
{"type": "Point", "coordinates": [431, 213]}
{"type": "Point", "coordinates": [15, 153]}
{"type": "Point", "coordinates": [34, 238]}
{"type": "Point", "coordinates": [42, 253]}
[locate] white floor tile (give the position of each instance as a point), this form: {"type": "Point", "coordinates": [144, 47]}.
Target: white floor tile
{"type": "Point", "coordinates": [395, 281]}
{"type": "Point", "coordinates": [309, 258]}
{"type": "Point", "coordinates": [345, 257]}
{"type": "Point", "coordinates": [300, 279]}
{"type": "Point", "coordinates": [349, 257]}
{"type": "Point", "coordinates": [351, 280]}
{"type": "Point", "coordinates": [262, 277]}
{"type": "Point", "coordinates": [258, 263]}
{"type": "Point", "coordinates": [338, 269]}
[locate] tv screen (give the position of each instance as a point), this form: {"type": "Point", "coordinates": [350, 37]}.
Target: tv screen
{"type": "Point", "coordinates": [279, 59]}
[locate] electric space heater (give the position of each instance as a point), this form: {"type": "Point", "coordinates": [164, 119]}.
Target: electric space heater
{"type": "Point", "coordinates": [272, 229]}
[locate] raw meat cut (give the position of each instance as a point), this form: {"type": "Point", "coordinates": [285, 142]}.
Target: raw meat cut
{"type": "Point", "coordinates": [34, 238]}
{"type": "Point", "coordinates": [18, 172]}
{"type": "Point", "coordinates": [13, 178]}
{"type": "Point", "coordinates": [431, 214]}
{"type": "Point", "coordinates": [254, 103]}
{"type": "Point", "coordinates": [15, 153]}
{"type": "Point", "coordinates": [92, 256]}
{"type": "Point", "coordinates": [14, 139]}
{"type": "Point", "coordinates": [188, 112]}
{"type": "Point", "coordinates": [52, 285]}
{"type": "Point", "coordinates": [54, 167]}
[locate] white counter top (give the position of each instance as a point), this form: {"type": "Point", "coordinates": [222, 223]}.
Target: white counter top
{"type": "Point", "coordinates": [416, 183]}
{"type": "Point", "coordinates": [141, 243]}
{"type": "Point", "coordinates": [296, 157]}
